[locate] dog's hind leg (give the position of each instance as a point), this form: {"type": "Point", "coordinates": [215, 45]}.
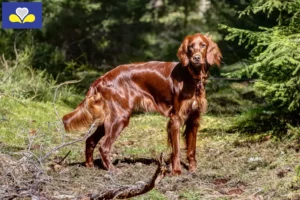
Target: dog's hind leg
{"type": "Point", "coordinates": [113, 127]}
{"type": "Point", "coordinates": [90, 145]}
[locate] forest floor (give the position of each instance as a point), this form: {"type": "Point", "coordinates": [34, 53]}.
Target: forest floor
{"type": "Point", "coordinates": [229, 165]}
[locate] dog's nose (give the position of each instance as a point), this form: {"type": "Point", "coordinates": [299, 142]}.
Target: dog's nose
{"type": "Point", "coordinates": [197, 57]}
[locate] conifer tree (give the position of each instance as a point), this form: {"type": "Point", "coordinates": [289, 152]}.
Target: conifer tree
{"type": "Point", "coordinates": [275, 56]}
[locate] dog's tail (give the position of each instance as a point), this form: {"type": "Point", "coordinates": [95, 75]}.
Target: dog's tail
{"type": "Point", "coordinates": [91, 110]}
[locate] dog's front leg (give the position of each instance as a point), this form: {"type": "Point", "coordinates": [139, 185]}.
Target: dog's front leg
{"type": "Point", "coordinates": [174, 137]}
{"type": "Point", "coordinates": [190, 134]}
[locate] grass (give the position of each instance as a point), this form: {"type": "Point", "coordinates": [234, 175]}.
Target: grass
{"type": "Point", "coordinates": [264, 167]}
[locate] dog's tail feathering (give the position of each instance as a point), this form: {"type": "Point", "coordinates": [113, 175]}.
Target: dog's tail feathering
{"type": "Point", "coordinates": [91, 110]}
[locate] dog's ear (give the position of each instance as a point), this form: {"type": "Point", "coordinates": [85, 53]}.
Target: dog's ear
{"type": "Point", "coordinates": [182, 52]}
{"type": "Point", "coordinates": [213, 54]}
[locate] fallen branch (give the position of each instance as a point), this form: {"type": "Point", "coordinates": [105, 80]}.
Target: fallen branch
{"type": "Point", "coordinates": [141, 187]}
{"type": "Point", "coordinates": [88, 134]}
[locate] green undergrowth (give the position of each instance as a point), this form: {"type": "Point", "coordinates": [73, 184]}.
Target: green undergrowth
{"type": "Point", "coordinates": [31, 105]}
{"type": "Point", "coordinates": [230, 96]}
{"type": "Point", "coordinates": [21, 121]}
{"type": "Point", "coordinates": [227, 98]}
{"type": "Point", "coordinates": [237, 97]}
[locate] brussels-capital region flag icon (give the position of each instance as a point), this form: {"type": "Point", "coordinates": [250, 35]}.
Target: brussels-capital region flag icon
{"type": "Point", "coordinates": [22, 15]}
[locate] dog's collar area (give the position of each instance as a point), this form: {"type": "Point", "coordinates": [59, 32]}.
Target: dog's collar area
{"type": "Point", "coordinates": [195, 76]}
{"type": "Point", "coordinates": [198, 88]}
{"type": "Point", "coordinates": [198, 78]}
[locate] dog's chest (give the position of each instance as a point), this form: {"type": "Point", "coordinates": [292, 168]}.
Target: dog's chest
{"type": "Point", "coordinates": [192, 99]}
{"type": "Point", "coordinates": [191, 91]}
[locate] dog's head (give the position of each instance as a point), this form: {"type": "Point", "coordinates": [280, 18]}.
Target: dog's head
{"type": "Point", "coordinates": [198, 50]}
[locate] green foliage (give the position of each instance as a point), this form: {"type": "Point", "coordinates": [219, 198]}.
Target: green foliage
{"type": "Point", "coordinates": [192, 195]}
{"type": "Point", "coordinates": [153, 194]}
{"type": "Point", "coordinates": [294, 133]}
{"type": "Point", "coordinates": [297, 169]}
{"type": "Point", "coordinates": [18, 80]}
{"type": "Point", "coordinates": [270, 6]}
{"type": "Point", "coordinates": [275, 59]}
{"type": "Point", "coordinates": [260, 120]}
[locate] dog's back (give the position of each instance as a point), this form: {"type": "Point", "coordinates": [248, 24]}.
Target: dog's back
{"type": "Point", "coordinates": [144, 86]}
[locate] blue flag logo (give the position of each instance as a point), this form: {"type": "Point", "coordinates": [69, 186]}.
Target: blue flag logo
{"type": "Point", "coordinates": [25, 15]}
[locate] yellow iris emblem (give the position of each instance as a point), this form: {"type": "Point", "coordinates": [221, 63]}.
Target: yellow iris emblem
{"type": "Point", "coordinates": [21, 16]}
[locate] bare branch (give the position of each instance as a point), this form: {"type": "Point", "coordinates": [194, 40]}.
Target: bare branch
{"type": "Point", "coordinates": [55, 96]}
{"type": "Point", "coordinates": [88, 134]}
{"type": "Point", "coordinates": [56, 91]}
{"type": "Point", "coordinates": [4, 62]}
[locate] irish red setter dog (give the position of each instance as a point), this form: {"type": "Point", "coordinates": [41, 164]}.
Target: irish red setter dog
{"type": "Point", "coordinates": [176, 90]}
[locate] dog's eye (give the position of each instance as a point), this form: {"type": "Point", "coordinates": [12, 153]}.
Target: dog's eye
{"type": "Point", "coordinates": [191, 46]}
{"type": "Point", "coordinates": [202, 45]}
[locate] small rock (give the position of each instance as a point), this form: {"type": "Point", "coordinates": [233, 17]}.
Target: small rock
{"type": "Point", "coordinates": [255, 159]}
{"type": "Point", "coordinates": [139, 164]}
{"type": "Point", "coordinates": [57, 167]}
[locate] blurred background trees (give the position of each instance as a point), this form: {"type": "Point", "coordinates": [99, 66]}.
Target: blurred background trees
{"type": "Point", "coordinates": [259, 40]}
{"type": "Point", "coordinates": [96, 35]}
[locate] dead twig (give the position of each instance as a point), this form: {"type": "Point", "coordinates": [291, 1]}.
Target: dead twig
{"type": "Point", "coordinates": [54, 100]}
{"type": "Point", "coordinates": [141, 187]}
{"type": "Point", "coordinates": [56, 91]}
{"type": "Point", "coordinates": [16, 50]}
{"type": "Point", "coordinates": [4, 62]}
{"type": "Point", "coordinates": [64, 158]}
{"type": "Point", "coordinates": [88, 134]}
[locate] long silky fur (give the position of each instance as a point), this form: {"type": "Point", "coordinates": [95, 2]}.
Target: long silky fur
{"type": "Point", "coordinates": [91, 109]}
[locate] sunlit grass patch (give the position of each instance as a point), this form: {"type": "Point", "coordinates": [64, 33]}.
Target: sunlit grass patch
{"type": "Point", "coordinates": [32, 125]}
{"type": "Point", "coordinates": [152, 195]}
{"type": "Point", "coordinates": [190, 194]}
{"type": "Point", "coordinates": [145, 136]}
